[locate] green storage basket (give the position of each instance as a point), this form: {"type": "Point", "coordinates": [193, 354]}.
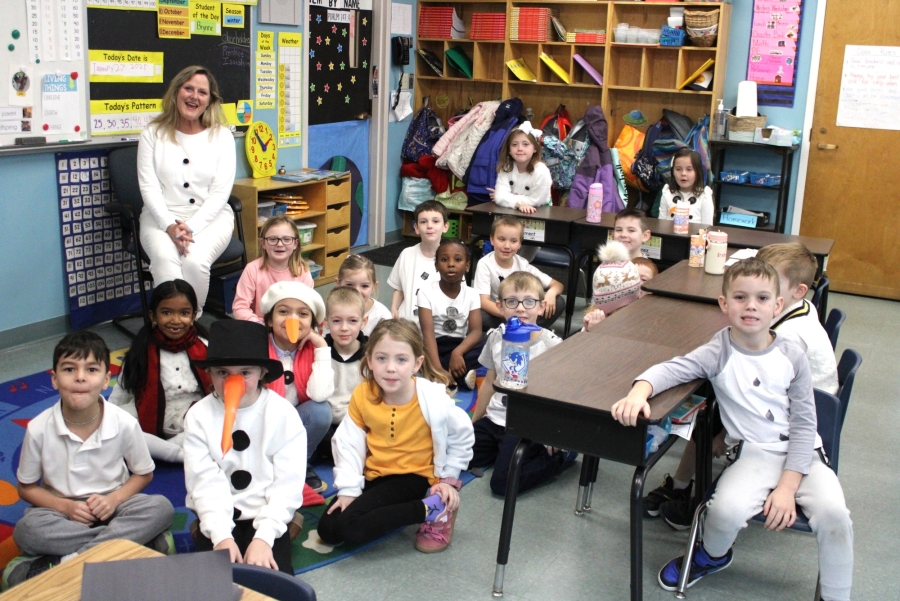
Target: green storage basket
{"type": "Point", "coordinates": [453, 230]}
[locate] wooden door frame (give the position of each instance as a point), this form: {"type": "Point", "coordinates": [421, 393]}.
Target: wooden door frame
{"type": "Point", "coordinates": [812, 88]}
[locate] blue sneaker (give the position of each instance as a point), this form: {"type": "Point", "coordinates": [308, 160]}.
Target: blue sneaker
{"type": "Point", "coordinates": [435, 509]}
{"type": "Point", "coordinates": [701, 565]}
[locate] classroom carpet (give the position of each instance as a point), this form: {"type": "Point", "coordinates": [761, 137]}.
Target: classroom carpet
{"type": "Point", "coordinates": [24, 398]}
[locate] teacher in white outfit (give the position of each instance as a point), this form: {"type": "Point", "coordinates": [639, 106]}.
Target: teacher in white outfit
{"type": "Point", "coordinates": [186, 165]}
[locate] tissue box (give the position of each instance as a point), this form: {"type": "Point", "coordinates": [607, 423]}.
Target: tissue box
{"type": "Point", "coordinates": [774, 136]}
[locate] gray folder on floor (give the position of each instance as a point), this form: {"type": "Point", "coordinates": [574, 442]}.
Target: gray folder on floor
{"type": "Point", "coordinates": [194, 576]}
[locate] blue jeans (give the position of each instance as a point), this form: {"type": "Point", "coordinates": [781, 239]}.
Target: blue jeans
{"type": "Point", "coordinates": [316, 418]}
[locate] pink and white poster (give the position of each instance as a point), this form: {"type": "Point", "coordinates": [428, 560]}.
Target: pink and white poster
{"type": "Point", "coordinates": [774, 41]}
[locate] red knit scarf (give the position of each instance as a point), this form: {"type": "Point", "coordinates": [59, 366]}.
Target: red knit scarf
{"type": "Point", "coordinates": [302, 368]}
{"type": "Point", "coordinates": [151, 401]}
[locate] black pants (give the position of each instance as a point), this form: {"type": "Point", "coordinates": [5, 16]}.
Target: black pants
{"type": "Point", "coordinates": [447, 344]}
{"type": "Point", "coordinates": [493, 446]}
{"type": "Point", "coordinates": [489, 322]}
{"type": "Point", "coordinates": [243, 534]}
{"type": "Point", "coordinates": [386, 503]}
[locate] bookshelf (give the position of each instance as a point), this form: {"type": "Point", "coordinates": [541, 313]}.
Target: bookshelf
{"type": "Point", "coordinates": [635, 76]}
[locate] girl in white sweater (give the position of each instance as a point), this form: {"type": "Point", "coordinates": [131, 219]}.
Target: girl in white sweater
{"type": "Point", "coordinates": [523, 181]}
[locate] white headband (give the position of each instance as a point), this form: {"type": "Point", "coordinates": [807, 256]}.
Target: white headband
{"type": "Point", "coordinates": [527, 128]}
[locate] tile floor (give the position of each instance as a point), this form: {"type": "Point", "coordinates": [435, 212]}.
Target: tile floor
{"type": "Point", "coordinates": [558, 556]}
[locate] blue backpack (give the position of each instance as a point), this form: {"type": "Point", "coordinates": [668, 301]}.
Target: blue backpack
{"type": "Point", "coordinates": [423, 133]}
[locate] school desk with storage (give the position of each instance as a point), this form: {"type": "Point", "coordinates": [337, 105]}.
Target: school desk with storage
{"type": "Point", "coordinates": [571, 390]}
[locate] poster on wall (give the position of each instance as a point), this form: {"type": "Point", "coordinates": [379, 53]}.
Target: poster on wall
{"type": "Point", "coordinates": [774, 44]}
{"type": "Point", "coordinates": [101, 276]}
{"type": "Point", "coordinates": [870, 88]}
{"type": "Point", "coordinates": [339, 54]}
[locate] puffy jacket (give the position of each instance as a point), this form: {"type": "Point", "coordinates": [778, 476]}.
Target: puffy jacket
{"type": "Point", "coordinates": [459, 155]}
{"type": "Point", "coordinates": [482, 173]}
{"type": "Point", "coordinates": [596, 166]}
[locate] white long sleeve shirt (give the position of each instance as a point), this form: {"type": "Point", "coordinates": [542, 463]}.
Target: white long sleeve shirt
{"type": "Point", "coordinates": [532, 189]}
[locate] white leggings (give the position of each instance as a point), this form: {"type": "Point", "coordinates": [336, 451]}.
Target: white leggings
{"type": "Point", "coordinates": [165, 262]}
{"type": "Point", "coordinates": [742, 490]}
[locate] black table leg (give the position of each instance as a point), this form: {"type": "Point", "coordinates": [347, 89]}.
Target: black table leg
{"type": "Point", "coordinates": [509, 513]}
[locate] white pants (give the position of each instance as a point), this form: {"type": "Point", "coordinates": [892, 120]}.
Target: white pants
{"type": "Point", "coordinates": [165, 262]}
{"type": "Point", "coordinates": [742, 490]}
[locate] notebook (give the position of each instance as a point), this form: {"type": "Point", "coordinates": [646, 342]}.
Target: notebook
{"type": "Point", "coordinates": [589, 69]}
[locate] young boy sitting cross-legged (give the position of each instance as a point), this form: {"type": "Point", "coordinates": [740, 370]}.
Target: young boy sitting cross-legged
{"type": "Point", "coordinates": [84, 463]}
{"type": "Point", "coordinates": [763, 385]}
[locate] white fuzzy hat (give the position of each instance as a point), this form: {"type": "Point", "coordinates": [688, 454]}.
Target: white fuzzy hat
{"type": "Point", "coordinates": [617, 281]}
{"type": "Point", "coordinates": [301, 292]}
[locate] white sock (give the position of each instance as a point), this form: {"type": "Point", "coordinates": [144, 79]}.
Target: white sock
{"type": "Point", "coordinates": [66, 558]}
{"type": "Point", "coordinates": [680, 484]}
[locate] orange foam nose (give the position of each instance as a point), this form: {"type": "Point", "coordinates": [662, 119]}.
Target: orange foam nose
{"type": "Point", "coordinates": [234, 390]}
{"type": "Point", "coordinates": [292, 325]}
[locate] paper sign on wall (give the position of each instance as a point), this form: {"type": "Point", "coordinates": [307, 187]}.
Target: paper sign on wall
{"type": "Point", "coordinates": [59, 105]}
{"type": "Point", "coordinates": [113, 117]}
{"type": "Point", "coordinates": [232, 15]}
{"type": "Point", "coordinates": [870, 88]}
{"type": "Point", "coordinates": [121, 66]}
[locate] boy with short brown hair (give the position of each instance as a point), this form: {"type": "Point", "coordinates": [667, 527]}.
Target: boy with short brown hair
{"type": "Point", "coordinates": [415, 266]}
{"type": "Point", "coordinates": [631, 229]}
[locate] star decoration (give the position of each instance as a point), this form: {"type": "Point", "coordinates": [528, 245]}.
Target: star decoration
{"type": "Point", "coordinates": [353, 79]}
{"type": "Point", "coordinates": [340, 86]}
{"type": "Point", "coordinates": [318, 66]}
{"type": "Point", "coordinates": [340, 48]}
{"type": "Point", "coordinates": [365, 21]}
{"type": "Point", "coordinates": [347, 99]}
{"type": "Point", "coordinates": [319, 101]}
{"type": "Point", "coordinates": [365, 64]}
{"type": "Point", "coordinates": [326, 88]}
{"type": "Point", "coordinates": [342, 65]}
{"type": "Point", "coordinates": [312, 87]}
{"type": "Point", "coordinates": [318, 39]}
{"type": "Point", "coordinates": [327, 41]}
{"type": "Point", "coordinates": [334, 29]}
{"type": "Point", "coordinates": [365, 41]}
{"type": "Point", "coordinates": [344, 32]}
{"type": "Point", "coordinates": [331, 66]}
{"type": "Point", "coordinates": [319, 19]}
{"type": "Point", "coordinates": [312, 54]}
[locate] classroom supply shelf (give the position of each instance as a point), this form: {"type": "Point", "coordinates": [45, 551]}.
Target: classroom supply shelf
{"type": "Point", "coordinates": [329, 210]}
{"type": "Point", "coordinates": [635, 76]}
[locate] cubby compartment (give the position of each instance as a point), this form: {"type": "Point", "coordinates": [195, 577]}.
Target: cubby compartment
{"type": "Point", "coordinates": [690, 59]}
{"type": "Point", "coordinates": [581, 15]}
{"type": "Point", "coordinates": [625, 66]}
{"type": "Point", "coordinates": [659, 69]}
{"type": "Point", "coordinates": [595, 57]}
{"type": "Point", "coordinates": [652, 102]}
{"type": "Point", "coordinates": [489, 62]}
{"type": "Point", "coordinates": [640, 14]}
{"type": "Point", "coordinates": [467, 49]}
{"type": "Point", "coordinates": [527, 52]}
{"type": "Point", "coordinates": [338, 215]}
{"type": "Point", "coordinates": [543, 100]}
{"type": "Point", "coordinates": [448, 97]}
{"type": "Point", "coordinates": [423, 69]}
{"type": "Point", "coordinates": [561, 54]}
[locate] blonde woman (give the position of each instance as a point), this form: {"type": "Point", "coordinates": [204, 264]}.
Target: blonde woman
{"type": "Point", "coordinates": [186, 165]}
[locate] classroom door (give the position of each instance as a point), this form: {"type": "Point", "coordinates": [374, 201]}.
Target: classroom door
{"type": "Point", "coordinates": [851, 187]}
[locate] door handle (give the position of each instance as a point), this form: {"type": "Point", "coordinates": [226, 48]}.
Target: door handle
{"type": "Point", "coordinates": [823, 146]}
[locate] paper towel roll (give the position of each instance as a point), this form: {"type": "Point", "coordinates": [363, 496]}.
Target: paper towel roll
{"type": "Point", "coordinates": [746, 99]}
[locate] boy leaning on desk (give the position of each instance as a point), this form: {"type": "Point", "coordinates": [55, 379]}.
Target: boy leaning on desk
{"type": "Point", "coordinates": [763, 385]}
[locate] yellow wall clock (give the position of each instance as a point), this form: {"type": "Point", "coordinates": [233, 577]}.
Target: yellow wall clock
{"type": "Point", "coordinates": [261, 148]}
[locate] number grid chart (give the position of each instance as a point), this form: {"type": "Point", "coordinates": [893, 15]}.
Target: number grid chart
{"type": "Point", "coordinates": [101, 277]}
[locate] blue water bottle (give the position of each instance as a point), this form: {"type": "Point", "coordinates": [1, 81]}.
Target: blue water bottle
{"type": "Point", "coordinates": [515, 353]}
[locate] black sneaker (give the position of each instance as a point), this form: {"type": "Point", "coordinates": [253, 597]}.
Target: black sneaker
{"type": "Point", "coordinates": [666, 492]}
{"type": "Point", "coordinates": [29, 568]}
{"type": "Point", "coordinates": [701, 565]}
{"type": "Point", "coordinates": [677, 514]}
{"type": "Point", "coordinates": [314, 481]}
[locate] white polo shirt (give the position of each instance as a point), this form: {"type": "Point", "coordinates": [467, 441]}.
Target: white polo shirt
{"type": "Point", "coordinates": [77, 469]}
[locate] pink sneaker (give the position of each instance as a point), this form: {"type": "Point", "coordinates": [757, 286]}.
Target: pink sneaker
{"type": "Point", "coordinates": [435, 537]}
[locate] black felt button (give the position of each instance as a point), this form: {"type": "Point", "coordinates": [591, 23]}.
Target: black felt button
{"type": "Point", "coordinates": [241, 440]}
{"type": "Point", "coordinates": [185, 161]}
{"type": "Point", "coordinates": [288, 377]}
{"type": "Point", "coordinates": [241, 479]}
{"type": "Point", "coordinates": [527, 188]}
{"type": "Point", "coordinates": [511, 182]}
{"type": "Point", "coordinates": [236, 515]}
{"type": "Point", "coordinates": [187, 185]}
{"type": "Point", "coordinates": [191, 201]}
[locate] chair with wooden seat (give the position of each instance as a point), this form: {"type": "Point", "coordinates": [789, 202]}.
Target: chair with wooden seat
{"type": "Point", "coordinates": [128, 205]}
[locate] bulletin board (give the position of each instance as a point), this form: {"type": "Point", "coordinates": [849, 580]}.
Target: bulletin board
{"type": "Point", "coordinates": [131, 65]}
{"type": "Point", "coordinates": [43, 67]}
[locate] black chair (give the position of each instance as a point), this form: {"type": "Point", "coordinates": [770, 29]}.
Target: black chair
{"type": "Point", "coordinates": [272, 583]}
{"type": "Point", "coordinates": [128, 204]}
{"type": "Point", "coordinates": [833, 325]}
{"type": "Point", "coordinates": [820, 297]}
{"type": "Point", "coordinates": [830, 413]}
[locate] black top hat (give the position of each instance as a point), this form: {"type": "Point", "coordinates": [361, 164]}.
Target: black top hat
{"type": "Point", "coordinates": [233, 342]}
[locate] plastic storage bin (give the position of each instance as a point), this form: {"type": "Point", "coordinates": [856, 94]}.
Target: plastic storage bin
{"type": "Point", "coordinates": [765, 179]}
{"type": "Point", "coordinates": [306, 231]}
{"type": "Point", "coordinates": [314, 269]}
{"type": "Point", "coordinates": [264, 211]}
{"type": "Point", "coordinates": [735, 177]}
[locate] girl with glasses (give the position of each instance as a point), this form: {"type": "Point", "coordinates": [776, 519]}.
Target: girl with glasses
{"type": "Point", "coordinates": [280, 261]}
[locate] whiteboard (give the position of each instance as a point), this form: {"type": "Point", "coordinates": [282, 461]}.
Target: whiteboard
{"type": "Point", "coordinates": [43, 72]}
{"type": "Point", "coordinates": [870, 88]}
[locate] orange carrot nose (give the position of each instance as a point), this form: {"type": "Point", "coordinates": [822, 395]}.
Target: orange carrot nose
{"type": "Point", "coordinates": [292, 325]}
{"type": "Point", "coordinates": [234, 390]}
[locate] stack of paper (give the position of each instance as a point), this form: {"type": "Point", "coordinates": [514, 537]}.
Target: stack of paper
{"type": "Point", "coordinates": [488, 26]}
{"type": "Point", "coordinates": [531, 24]}
{"type": "Point", "coordinates": [586, 36]}
{"type": "Point", "coordinates": [440, 22]}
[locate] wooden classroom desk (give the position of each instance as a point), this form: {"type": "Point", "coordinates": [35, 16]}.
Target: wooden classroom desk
{"type": "Point", "coordinates": [63, 583]}
{"type": "Point", "coordinates": [571, 390]}
{"type": "Point", "coordinates": [681, 281]}
{"type": "Point", "coordinates": [557, 222]}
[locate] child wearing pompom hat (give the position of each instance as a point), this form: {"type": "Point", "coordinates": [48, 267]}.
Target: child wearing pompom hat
{"type": "Point", "coordinates": [292, 313]}
{"type": "Point", "coordinates": [616, 283]}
